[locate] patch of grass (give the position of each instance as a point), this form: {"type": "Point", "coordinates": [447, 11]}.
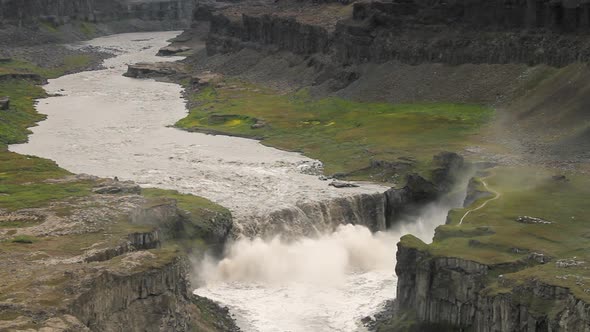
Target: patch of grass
{"type": "Point", "coordinates": [88, 29]}
{"type": "Point", "coordinates": [23, 239]}
{"type": "Point", "coordinates": [345, 135]}
{"type": "Point", "coordinates": [200, 222]}
{"type": "Point", "coordinates": [22, 113]}
{"type": "Point", "coordinates": [70, 63]}
{"type": "Point", "coordinates": [491, 235]}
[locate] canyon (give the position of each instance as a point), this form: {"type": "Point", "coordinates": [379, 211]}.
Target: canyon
{"type": "Point", "coordinates": [480, 270]}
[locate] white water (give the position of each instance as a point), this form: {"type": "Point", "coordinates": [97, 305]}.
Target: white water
{"type": "Point", "coordinates": [110, 125]}
{"type": "Point", "coordinates": [327, 283]}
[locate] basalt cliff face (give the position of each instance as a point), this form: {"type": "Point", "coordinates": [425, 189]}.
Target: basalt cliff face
{"type": "Point", "coordinates": [58, 12]}
{"type": "Point", "coordinates": [414, 32]}
{"type": "Point", "coordinates": [455, 293]}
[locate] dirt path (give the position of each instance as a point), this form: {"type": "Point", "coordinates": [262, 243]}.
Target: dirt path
{"type": "Point", "coordinates": [496, 196]}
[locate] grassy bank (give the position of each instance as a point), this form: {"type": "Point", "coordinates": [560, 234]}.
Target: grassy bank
{"type": "Point", "coordinates": [345, 135]}
{"type": "Point", "coordinates": [492, 235]}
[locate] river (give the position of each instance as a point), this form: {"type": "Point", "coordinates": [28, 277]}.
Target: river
{"type": "Point", "coordinates": [108, 125]}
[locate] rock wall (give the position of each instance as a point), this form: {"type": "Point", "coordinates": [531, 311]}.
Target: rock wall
{"type": "Point", "coordinates": [62, 11]}
{"type": "Point", "coordinates": [420, 31]}
{"type": "Point", "coordinates": [152, 300]}
{"type": "Point", "coordinates": [451, 291]}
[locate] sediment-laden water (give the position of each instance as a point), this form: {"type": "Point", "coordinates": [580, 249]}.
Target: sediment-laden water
{"type": "Point", "coordinates": [108, 125]}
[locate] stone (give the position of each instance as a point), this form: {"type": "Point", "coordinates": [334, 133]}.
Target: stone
{"type": "Point", "coordinates": [339, 184]}
{"type": "Point", "coordinates": [156, 69]}
{"type": "Point", "coordinates": [532, 220]}
{"type": "Point", "coordinates": [259, 124]}
{"type": "Point", "coordinates": [205, 79]}
{"type": "Point", "coordinates": [4, 103]}
{"type": "Point", "coordinates": [5, 60]}
{"type": "Point", "coordinates": [172, 50]}
{"type": "Point", "coordinates": [117, 187]}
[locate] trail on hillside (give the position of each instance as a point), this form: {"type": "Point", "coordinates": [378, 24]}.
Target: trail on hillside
{"type": "Point", "coordinates": [496, 196]}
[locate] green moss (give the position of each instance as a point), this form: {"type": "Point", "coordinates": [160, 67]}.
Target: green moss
{"type": "Point", "coordinates": [410, 241]}
{"type": "Point", "coordinates": [23, 239]}
{"type": "Point", "coordinates": [69, 64]}
{"type": "Point", "coordinates": [22, 113]}
{"type": "Point", "coordinates": [345, 135]}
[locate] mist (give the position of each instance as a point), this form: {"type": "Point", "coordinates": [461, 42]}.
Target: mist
{"type": "Point", "coordinates": [326, 259]}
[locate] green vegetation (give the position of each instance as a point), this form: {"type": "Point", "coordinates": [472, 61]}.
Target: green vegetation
{"type": "Point", "coordinates": [69, 64]}
{"type": "Point", "coordinates": [23, 239]}
{"type": "Point", "coordinates": [201, 220]}
{"type": "Point", "coordinates": [88, 29]}
{"type": "Point", "coordinates": [345, 135]}
{"type": "Point", "coordinates": [22, 113]}
{"type": "Point", "coordinates": [491, 235]}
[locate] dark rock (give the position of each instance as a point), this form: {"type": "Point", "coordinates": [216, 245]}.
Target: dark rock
{"type": "Point", "coordinates": [5, 60]}
{"type": "Point", "coordinates": [539, 258]}
{"type": "Point", "coordinates": [117, 187]}
{"type": "Point", "coordinates": [560, 178]}
{"type": "Point", "coordinates": [4, 103]}
{"type": "Point", "coordinates": [338, 184]}
{"type": "Point", "coordinates": [23, 76]}
{"type": "Point", "coordinates": [157, 69]}
{"type": "Point", "coordinates": [172, 50]}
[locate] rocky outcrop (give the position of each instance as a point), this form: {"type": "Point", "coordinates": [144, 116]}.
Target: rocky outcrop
{"type": "Point", "coordinates": [414, 32]}
{"type": "Point", "coordinates": [143, 300]}
{"type": "Point", "coordinates": [155, 70]}
{"type": "Point", "coordinates": [22, 76]}
{"type": "Point", "coordinates": [172, 50]}
{"type": "Point", "coordinates": [4, 103]}
{"type": "Point", "coordinates": [57, 12]}
{"type": "Point", "coordinates": [453, 291]}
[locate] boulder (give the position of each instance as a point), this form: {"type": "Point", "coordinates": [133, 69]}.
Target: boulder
{"type": "Point", "coordinates": [259, 124]}
{"type": "Point", "coordinates": [172, 50]}
{"type": "Point", "coordinates": [111, 187]}
{"type": "Point", "coordinates": [338, 184]}
{"type": "Point", "coordinates": [532, 220]}
{"type": "Point", "coordinates": [4, 103]}
{"type": "Point", "coordinates": [205, 78]}
{"type": "Point", "coordinates": [156, 69]}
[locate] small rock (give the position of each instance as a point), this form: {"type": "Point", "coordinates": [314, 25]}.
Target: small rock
{"type": "Point", "coordinates": [117, 187]}
{"type": "Point", "coordinates": [532, 220]}
{"type": "Point", "coordinates": [157, 69]}
{"type": "Point", "coordinates": [259, 124]}
{"type": "Point", "coordinates": [539, 258]}
{"type": "Point", "coordinates": [338, 184]}
{"type": "Point", "coordinates": [4, 103]}
{"type": "Point", "coordinates": [323, 178]}
{"type": "Point", "coordinates": [559, 178]}
{"type": "Point", "coordinates": [565, 263]}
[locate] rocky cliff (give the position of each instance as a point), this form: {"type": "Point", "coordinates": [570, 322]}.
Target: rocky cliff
{"type": "Point", "coordinates": [414, 32]}
{"type": "Point", "coordinates": [467, 295]}
{"type": "Point", "coordinates": [59, 12]}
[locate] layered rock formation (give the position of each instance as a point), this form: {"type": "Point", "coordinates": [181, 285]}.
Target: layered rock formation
{"type": "Point", "coordinates": [530, 32]}
{"type": "Point", "coordinates": [457, 293]}
{"type": "Point", "coordinates": [22, 12]}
